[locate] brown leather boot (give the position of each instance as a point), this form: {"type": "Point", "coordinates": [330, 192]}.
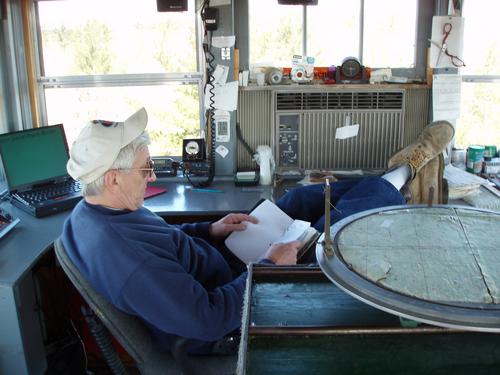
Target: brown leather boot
{"type": "Point", "coordinates": [429, 186]}
{"type": "Point", "coordinates": [429, 144]}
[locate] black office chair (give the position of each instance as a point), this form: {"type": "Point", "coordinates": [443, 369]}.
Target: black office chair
{"type": "Point", "coordinates": [135, 337]}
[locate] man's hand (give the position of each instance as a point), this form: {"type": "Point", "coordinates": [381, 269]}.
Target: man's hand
{"type": "Point", "coordinates": [283, 253]}
{"type": "Point", "coordinates": [229, 223]}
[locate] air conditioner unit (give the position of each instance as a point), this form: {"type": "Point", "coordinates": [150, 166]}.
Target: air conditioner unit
{"type": "Point", "coordinates": [301, 124]}
{"type": "Point", "coordinates": [306, 123]}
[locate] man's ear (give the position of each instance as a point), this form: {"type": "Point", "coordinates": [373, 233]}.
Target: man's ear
{"type": "Point", "coordinates": [111, 180]}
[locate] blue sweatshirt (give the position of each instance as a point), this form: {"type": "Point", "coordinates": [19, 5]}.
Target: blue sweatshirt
{"type": "Point", "coordinates": [169, 276]}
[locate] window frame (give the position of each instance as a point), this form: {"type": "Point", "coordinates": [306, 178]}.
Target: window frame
{"type": "Point", "coordinates": [113, 80]}
{"type": "Point", "coordinates": [425, 11]}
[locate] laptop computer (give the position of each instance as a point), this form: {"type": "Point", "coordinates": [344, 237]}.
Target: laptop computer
{"type": "Point", "coordinates": [34, 163]}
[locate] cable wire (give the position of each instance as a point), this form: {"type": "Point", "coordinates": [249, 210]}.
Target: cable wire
{"type": "Point", "coordinates": [209, 114]}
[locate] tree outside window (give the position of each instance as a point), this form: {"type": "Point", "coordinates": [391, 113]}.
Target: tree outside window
{"type": "Point", "coordinates": [96, 65]}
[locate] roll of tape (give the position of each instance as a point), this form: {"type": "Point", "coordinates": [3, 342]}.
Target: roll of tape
{"type": "Point", "coordinates": [298, 74]}
{"type": "Point", "coordinates": [274, 77]}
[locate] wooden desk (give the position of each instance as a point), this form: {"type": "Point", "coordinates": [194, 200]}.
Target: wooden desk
{"type": "Point", "coordinates": [21, 338]}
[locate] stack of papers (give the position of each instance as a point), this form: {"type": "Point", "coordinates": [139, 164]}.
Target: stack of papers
{"type": "Point", "coordinates": [461, 183]}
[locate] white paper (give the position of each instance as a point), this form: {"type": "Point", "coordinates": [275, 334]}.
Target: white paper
{"type": "Point", "coordinates": [220, 74]}
{"type": "Point", "coordinates": [223, 41]}
{"type": "Point", "coordinates": [222, 150]}
{"type": "Point", "coordinates": [454, 42]}
{"type": "Point", "coordinates": [347, 131]}
{"type": "Point", "coordinates": [296, 231]}
{"type": "Point", "coordinates": [225, 96]}
{"type": "Point", "coordinates": [274, 226]}
{"type": "Point", "coordinates": [446, 96]}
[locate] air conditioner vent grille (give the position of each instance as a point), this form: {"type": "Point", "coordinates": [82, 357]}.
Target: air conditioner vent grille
{"type": "Point", "coordinates": [315, 100]}
{"type": "Point", "coordinates": [297, 101]}
{"type": "Point", "coordinates": [390, 100]}
{"type": "Point", "coordinates": [289, 101]}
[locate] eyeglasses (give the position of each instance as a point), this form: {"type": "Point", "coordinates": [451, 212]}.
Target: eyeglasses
{"type": "Point", "coordinates": [146, 172]}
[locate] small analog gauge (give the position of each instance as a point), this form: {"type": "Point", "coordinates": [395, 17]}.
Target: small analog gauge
{"type": "Point", "coordinates": [192, 148]}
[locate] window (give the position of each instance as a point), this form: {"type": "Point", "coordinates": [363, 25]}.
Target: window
{"type": "Point", "coordinates": [105, 59]}
{"type": "Point", "coordinates": [275, 32]}
{"type": "Point", "coordinates": [333, 31]}
{"type": "Point", "coordinates": [479, 121]}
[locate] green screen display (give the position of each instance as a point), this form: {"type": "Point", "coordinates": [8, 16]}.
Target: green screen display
{"type": "Point", "coordinates": [34, 156]}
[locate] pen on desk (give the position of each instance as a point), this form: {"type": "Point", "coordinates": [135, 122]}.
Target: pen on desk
{"type": "Point", "coordinates": [207, 190]}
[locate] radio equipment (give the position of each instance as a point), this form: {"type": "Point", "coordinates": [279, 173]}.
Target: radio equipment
{"type": "Point", "coordinates": [165, 166]}
{"type": "Point", "coordinates": [194, 157]}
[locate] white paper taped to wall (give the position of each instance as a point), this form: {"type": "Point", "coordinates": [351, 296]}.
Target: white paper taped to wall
{"type": "Point", "coordinates": [446, 96]}
{"type": "Point", "coordinates": [223, 41]}
{"type": "Point", "coordinates": [225, 96]}
{"type": "Point", "coordinates": [347, 131]}
{"type": "Point", "coordinates": [220, 74]}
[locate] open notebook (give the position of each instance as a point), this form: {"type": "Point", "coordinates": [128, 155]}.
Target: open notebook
{"type": "Point", "coordinates": [274, 226]}
{"type": "Point", "coordinates": [34, 163]}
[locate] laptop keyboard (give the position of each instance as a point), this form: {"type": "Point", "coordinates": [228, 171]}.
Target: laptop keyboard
{"type": "Point", "coordinates": [52, 192]}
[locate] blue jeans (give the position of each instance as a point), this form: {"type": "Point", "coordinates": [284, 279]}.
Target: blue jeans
{"type": "Point", "coordinates": [348, 196]}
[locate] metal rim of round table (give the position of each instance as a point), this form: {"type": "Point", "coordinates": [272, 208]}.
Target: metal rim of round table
{"type": "Point", "coordinates": [475, 317]}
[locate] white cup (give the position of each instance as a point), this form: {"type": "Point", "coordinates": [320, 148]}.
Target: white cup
{"type": "Point", "coordinates": [261, 79]}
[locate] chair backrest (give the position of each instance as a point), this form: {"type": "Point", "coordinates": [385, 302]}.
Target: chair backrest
{"type": "Point", "coordinates": [128, 330]}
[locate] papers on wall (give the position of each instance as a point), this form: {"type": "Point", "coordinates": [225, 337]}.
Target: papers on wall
{"type": "Point", "coordinates": [223, 41]}
{"type": "Point", "coordinates": [225, 96]}
{"type": "Point", "coordinates": [220, 74]}
{"type": "Point", "coordinates": [446, 96]}
{"type": "Point", "coordinates": [222, 150]}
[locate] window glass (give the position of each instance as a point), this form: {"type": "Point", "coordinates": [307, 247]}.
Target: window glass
{"type": "Point", "coordinates": [333, 31]}
{"type": "Point", "coordinates": [275, 32]}
{"type": "Point", "coordinates": [389, 33]}
{"type": "Point", "coordinates": [481, 42]}
{"type": "Point", "coordinates": [83, 37]}
{"type": "Point", "coordinates": [173, 111]}
{"type": "Point", "coordinates": [479, 121]}
{"type": "Point", "coordinates": [126, 37]}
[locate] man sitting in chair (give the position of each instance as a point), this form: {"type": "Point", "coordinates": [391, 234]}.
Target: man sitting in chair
{"type": "Point", "coordinates": [173, 277]}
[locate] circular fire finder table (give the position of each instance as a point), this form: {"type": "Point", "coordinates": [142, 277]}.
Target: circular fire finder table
{"type": "Point", "coordinates": [438, 265]}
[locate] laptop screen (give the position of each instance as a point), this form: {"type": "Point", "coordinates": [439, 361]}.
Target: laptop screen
{"type": "Point", "coordinates": [34, 156]}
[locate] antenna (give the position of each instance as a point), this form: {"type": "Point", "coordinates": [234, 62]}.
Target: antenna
{"type": "Point", "coordinates": [327, 243]}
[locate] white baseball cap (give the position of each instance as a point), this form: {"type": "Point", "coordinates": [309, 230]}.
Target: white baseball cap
{"type": "Point", "coordinates": [100, 142]}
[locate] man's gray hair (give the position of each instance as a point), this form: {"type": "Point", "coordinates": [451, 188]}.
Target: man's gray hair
{"type": "Point", "coordinates": [125, 159]}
